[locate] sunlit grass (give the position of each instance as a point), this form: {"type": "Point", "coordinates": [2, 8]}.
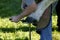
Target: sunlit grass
{"type": "Point", "coordinates": [23, 35]}
{"type": "Point", "coordinates": [17, 34]}
{"type": "Point", "coordinates": [54, 21]}
{"type": "Point", "coordinates": [19, 31]}
{"type": "Point", "coordinates": [55, 33]}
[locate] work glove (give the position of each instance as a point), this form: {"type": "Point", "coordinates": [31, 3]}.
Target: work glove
{"type": "Point", "coordinates": [14, 19]}
{"type": "Point", "coordinates": [30, 20]}
{"type": "Point", "coordinates": [27, 20]}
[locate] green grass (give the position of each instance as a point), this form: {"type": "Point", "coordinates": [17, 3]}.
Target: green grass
{"type": "Point", "coordinates": [9, 7]}
{"type": "Point", "coordinates": [19, 31]}
{"type": "Point", "coordinates": [55, 33]}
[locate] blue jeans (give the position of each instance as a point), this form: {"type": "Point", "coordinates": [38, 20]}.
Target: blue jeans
{"type": "Point", "coordinates": [46, 34]}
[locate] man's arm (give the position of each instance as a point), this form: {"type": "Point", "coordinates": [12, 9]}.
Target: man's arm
{"type": "Point", "coordinates": [31, 7]}
{"type": "Point", "coordinates": [28, 10]}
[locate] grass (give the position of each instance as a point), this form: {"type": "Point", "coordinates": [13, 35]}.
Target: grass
{"type": "Point", "coordinates": [7, 30]}
{"type": "Point", "coordinates": [19, 31]}
{"type": "Point", "coordinates": [55, 33]}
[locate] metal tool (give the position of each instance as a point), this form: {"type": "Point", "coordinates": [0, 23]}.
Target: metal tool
{"type": "Point", "coordinates": [29, 31]}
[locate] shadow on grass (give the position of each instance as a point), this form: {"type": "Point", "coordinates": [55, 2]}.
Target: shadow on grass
{"type": "Point", "coordinates": [24, 29]}
{"type": "Point", "coordinates": [21, 39]}
{"type": "Point", "coordinates": [26, 38]}
{"type": "Point", "coordinates": [1, 39]}
{"type": "Point", "coordinates": [9, 7]}
{"type": "Point", "coordinates": [55, 29]}
{"type": "Point", "coordinates": [54, 13]}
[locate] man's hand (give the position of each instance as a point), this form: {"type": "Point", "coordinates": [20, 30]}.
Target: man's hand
{"type": "Point", "coordinates": [14, 19]}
